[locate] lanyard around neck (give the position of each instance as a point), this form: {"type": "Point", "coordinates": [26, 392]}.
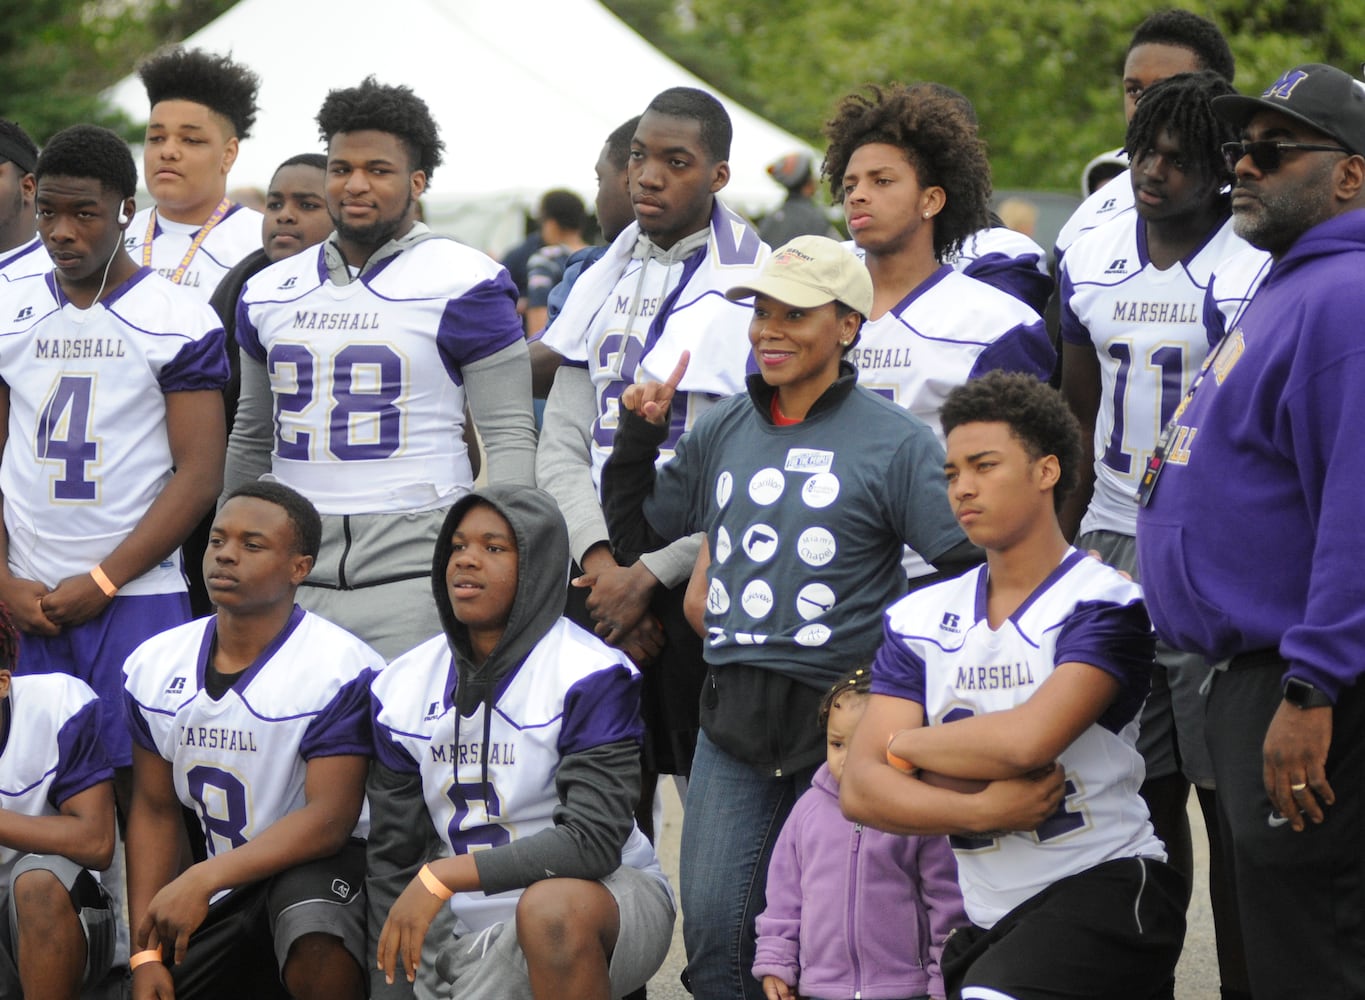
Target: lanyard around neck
{"type": "Point", "coordinates": [218, 215]}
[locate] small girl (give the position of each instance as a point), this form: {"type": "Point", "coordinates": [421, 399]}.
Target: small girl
{"type": "Point", "coordinates": [853, 911]}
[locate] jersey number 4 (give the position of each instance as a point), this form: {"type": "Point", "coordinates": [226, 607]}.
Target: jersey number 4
{"type": "Point", "coordinates": [64, 435]}
{"type": "Point", "coordinates": [362, 419]}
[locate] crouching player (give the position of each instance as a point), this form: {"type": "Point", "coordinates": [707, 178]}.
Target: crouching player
{"type": "Point", "coordinates": [1010, 696]}
{"type": "Point", "coordinates": [522, 733]}
{"type": "Point", "coordinates": [56, 821]}
{"type": "Point", "coordinates": [257, 719]}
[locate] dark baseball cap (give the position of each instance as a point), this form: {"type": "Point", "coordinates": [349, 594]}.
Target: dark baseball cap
{"type": "Point", "coordinates": [1322, 97]}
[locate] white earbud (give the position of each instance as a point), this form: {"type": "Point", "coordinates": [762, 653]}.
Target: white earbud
{"type": "Point", "coordinates": [123, 219]}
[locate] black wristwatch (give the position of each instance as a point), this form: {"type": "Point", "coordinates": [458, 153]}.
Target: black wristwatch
{"type": "Point", "coordinates": [1301, 694]}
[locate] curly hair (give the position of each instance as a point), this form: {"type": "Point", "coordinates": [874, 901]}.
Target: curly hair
{"type": "Point", "coordinates": [89, 151]}
{"type": "Point", "coordinates": [303, 516]}
{"type": "Point", "coordinates": [1182, 105]}
{"type": "Point", "coordinates": [17, 147]}
{"type": "Point", "coordinates": [1036, 413]}
{"type": "Point", "coordinates": [929, 123]}
{"type": "Point", "coordinates": [9, 640]}
{"type": "Point", "coordinates": [1186, 30]}
{"type": "Point", "coordinates": [218, 83]}
{"type": "Point", "coordinates": [713, 121]}
{"type": "Point", "coordinates": [390, 108]}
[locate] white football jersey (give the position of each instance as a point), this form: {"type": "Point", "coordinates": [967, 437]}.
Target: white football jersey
{"type": "Point", "coordinates": [1110, 202]}
{"type": "Point", "coordinates": [29, 258]}
{"type": "Point", "coordinates": [657, 308]}
{"type": "Point", "coordinates": [367, 377]}
{"type": "Point", "coordinates": [51, 750]}
{"type": "Point", "coordinates": [949, 330]}
{"type": "Point", "coordinates": [941, 652]}
{"type": "Point", "coordinates": [1232, 287]}
{"type": "Point", "coordinates": [173, 251]}
{"type": "Point", "coordinates": [88, 451]}
{"type": "Point", "coordinates": [1148, 330]}
{"type": "Point", "coordinates": [239, 762]}
{"type": "Point", "coordinates": [571, 693]}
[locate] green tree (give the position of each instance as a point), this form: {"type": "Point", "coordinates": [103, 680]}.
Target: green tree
{"type": "Point", "coordinates": [56, 56]}
{"type": "Point", "coordinates": [1043, 75]}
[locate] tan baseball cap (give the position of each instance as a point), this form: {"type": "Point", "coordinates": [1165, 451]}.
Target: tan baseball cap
{"type": "Point", "coordinates": [811, 271]}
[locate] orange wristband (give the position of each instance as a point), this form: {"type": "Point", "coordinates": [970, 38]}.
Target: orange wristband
{"type": "Point", "coordinates": [899, 763]}
{"type": "Point", "coordinates": [434, 885]}
{"type": "Point", "coordinates": [143, 957]}
{"type": "Point", "coordinates": [103, 582]}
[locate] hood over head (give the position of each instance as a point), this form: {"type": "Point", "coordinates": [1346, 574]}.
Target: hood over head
{"type": "Point", "coordinates": [542, 577]}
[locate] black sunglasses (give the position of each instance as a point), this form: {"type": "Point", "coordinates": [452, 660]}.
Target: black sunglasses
{"type": "Point", "coordinates": [1267, 154]}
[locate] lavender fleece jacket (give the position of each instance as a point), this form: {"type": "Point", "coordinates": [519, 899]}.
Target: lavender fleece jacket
{"type": "Point", "coordinates": [1253, 537]}
{"type": "Point", "coordinates": [853, 911]}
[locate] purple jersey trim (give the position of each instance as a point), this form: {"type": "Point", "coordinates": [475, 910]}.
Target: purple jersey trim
{"type": "Point", "coordinates": [922, 288]}
{"type": "Point", "coordinates": [387, 749]}
{"type": "Point", "coordinates": [137, 725]}
{"type": "Point", "coordinates": [983, 581]}
{"type": "Point", "coordinates": [200, 365]}
{"type": "Point", "coordinates": [479, 323]}
{"type": "Point", "coordinates": [1115, 638]}
{"type": "Point", "coordinates": [121, 290]}
{"type": "Point", "coordinates": [1026, 348]}
{"type": "Point", "coordinates": [81, 760]}
{"type": "Point", "coordinates": [1018, 277]}
{"type": "Point", "coordinates": [248, 337]}
{"type": "Point", "coordinates": [343, 726]}
{"type": "Point", "coordinates": [35, 246]}
{"type": "Point", "coordinates": [896, 670]}
{"type": "Point", "coordinates": [273, 647]}
{"type": "Point", "coordinates": [602, 708]}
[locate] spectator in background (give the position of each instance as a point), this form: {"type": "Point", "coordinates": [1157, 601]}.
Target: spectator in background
{"type": "Point", "coordinates": [799, 215]}
{"type": "Point", "coordinates": [1020, 215]}
{"type": "Point", "coordinates": [1101, 170]}
{"type": "Point", "coordinates": [562, 221]}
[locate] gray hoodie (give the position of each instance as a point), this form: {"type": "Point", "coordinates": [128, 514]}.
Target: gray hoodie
{"type": "Point", "coordinates": [597, 787]}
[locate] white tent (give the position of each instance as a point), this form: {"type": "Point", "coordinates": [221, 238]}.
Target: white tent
{"type": "Point", "coordinates": [525, 92]}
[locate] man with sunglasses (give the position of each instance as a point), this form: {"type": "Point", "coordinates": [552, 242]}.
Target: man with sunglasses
{"type": "Point", "coordinates": [1250, 542]}
{"type": "Point", "coordinates": [1134, 335]}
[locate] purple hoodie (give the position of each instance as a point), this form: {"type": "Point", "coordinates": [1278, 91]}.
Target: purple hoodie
{"type": "Point", "coordinates": [1253, 538]}
{"type": "Point", "coordinates": [853, 911]}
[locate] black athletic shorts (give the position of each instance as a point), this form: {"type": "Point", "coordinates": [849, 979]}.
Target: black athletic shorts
{"type": "Point", "coordinates": [241, 947]}
{"type": "Point", "coordinates": [1113, 931]}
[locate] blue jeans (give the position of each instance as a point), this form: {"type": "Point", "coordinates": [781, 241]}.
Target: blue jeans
{"type": "Point", "coordinates": [733, 816]}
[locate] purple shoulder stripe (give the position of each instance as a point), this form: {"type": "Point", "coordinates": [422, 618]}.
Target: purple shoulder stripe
{"type": "Point", "coordinates": [81, 759]}
{"type": "Point", "coordinates": [478, 323]}
{"type": "Point", "coordinates": [896, 670]}
{"type": "Point", "coordinates": [343, 726]}
{"type": "Point", "coordinates": [201, 364]}
{"type": "Point", "coordinates": [602, 708]}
